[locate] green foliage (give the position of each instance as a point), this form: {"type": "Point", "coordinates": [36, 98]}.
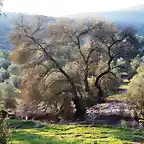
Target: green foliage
{"type": "Point", "coordinates": [56, 65]}
{"type": "Point", "coordinates": [135, 63]}
{"type": "Point", "coordinates": [9, 81]}
{"type": "Point", "coordinates": [4, 74]}
{"type": "Point", "coordinates": [128, 66]}
{"type": "Point", "coordinates": [3, 130]}
{"type": "Point", "coordinates": [8, 95]}
{"type": "Point", "coordinates": [110, 84]}
{"type": "Point", "coordinates": [132, 68]}
{"type": "Point", "coordinates": [4, 63]}
{"type": "Point", "coordinates": [75, 134]}
{"type": "Point", "coordinates": [136, 93]}
{"type": "Point", "coordinates": [14, 69]}
{"type": "Point", "coordinates": [3, 54]}
{"type": "Point", "coordinates": [15, 80]}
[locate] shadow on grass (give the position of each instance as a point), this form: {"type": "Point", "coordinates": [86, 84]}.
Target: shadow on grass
{"type": "Point", "coordinates": [27, 138]}
{"type": "Point", "coordinates": [20, 124]}
{"type": "Point", "coordinates": [76, 134]}
{"type": "Point", "coordinates": [133, 135]}
{"type": "Point", "coordinates": [126, 134]}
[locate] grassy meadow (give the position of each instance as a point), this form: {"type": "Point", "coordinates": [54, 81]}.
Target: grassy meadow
{"type": "Point", "coordinates": [72, 134]}
{"type": "Point", "coordinates": [23, 132]}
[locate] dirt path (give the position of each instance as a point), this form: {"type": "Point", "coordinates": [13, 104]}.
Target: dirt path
{"type": "Point", "coordinates": [111, 113]}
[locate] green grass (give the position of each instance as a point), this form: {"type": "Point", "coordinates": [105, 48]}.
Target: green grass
{"type": "Point", "coordinates": [73, 134]}
{"type": "Point", "coordinates": [116, 96]}
{"type": "Point", "coordinates": [123, 73]}
{"type": "Point", "coordinates": [126, 80]}
{"type": "Point", "coordinates": [124, 86]}
{"type": "Point", "coordinates": [19, 123]}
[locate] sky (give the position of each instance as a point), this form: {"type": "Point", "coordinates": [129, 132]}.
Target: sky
{"type": "Point", "coordinates": [66, 7]}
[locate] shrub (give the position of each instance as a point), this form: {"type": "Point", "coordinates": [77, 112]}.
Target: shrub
{"type": "Point", "coordinates": [3, 130]}
{"type": "Point", "coordinates": [4, 63]}
{"type": "Point", "coordinates": [110, 84]}
{"type": "Point", "coordinates": [8, 95]}
{"type": "Point", "coordinates": [136, 94]}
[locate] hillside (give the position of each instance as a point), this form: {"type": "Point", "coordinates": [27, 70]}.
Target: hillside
{"type": "Point", "coordinates": [132, 16]}
{"type": "Point", "coordinates": [7, 21]}
{"type": "Point", "coordinates": [125, 16]}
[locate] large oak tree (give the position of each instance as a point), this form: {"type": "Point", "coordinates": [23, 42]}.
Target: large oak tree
{"type": "Point", "coordinates": [57, 60]}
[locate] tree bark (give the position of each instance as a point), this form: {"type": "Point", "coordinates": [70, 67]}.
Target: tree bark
{"type": "Point", "coordinates": [86, 82]}
{"type": "Point", "coordinates": [97, 82]}
{"type": "Point", "coordinates": [99, 92]}
{"type": "Point", "coordinates": [80, 108]}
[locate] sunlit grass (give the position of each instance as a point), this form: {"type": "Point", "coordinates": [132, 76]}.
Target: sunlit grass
{"type": "Point", "coordinates": [123, 73]}
{"type": "Point", "coordinates": [74, 134]}
{"type": "Point", "coordinates": [123, 87]}
{"type": "Point", "coordinates": [126, 80]}
{"type": "Point", "coordinates": [123, 96]}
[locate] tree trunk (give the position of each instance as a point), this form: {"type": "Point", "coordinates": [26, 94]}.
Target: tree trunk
{"type": "Point", "coordinates": [99, 93]}
{"type": "Point", "coordinates": [86, 83]}
{"type": "Point", "coordinates": [98, 86]}
{"type": "Point", "coordinates": [97, 82]}
{"type": "Point", "coordinates": [80, 108]}
{"type": "Point", "coordinates": [68, 113]}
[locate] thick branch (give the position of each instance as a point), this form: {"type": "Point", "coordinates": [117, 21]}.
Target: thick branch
{"type": "Point", "coordinates": [57, 65]}
{"type": "Point", "coordinates": [111, 57]}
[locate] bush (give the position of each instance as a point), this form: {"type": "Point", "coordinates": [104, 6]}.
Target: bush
{"type": "Point", "coordinates": [3, 130]}
{"type": "Point", "coordinates": [136, 94]}
{"type": "Point", "coordinates": [110, 84]}
{"type": "Point", "coordinates": [4, 63]}
{"type": "Point", "coordinates": [8, 95]}
{"type": "Point", "coordinates": [14, 69]}
{"type": "Point", "coordinates": [50, 98]}
{"type": "Point", "coordinates": [15, 80]}
{"type": "Point", "coordinates": [4, 74]}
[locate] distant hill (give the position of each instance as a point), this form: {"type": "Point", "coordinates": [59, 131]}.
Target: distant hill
{"type": "Point", "coordinates": [125, 16]}
{"type": "Point", "coordinates": [7, 21]}
{"type": "Point", "coordinates": [132, 16]}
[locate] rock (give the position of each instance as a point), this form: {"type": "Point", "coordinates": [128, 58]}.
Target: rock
{"type": "Point", "coordinates": [45, 123]}
{"type": "Point", "coordinates": [62, 121]}
{"type": "Point", "coordinates": [110, 112]}
{"type": "Point", "coordinates": [37, 125]}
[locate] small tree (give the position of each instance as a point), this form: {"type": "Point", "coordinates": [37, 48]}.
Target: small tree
{"type": "Point", "coordinates": [8, 95]}
{"type": "Point", "coordinates": [136, 94]}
